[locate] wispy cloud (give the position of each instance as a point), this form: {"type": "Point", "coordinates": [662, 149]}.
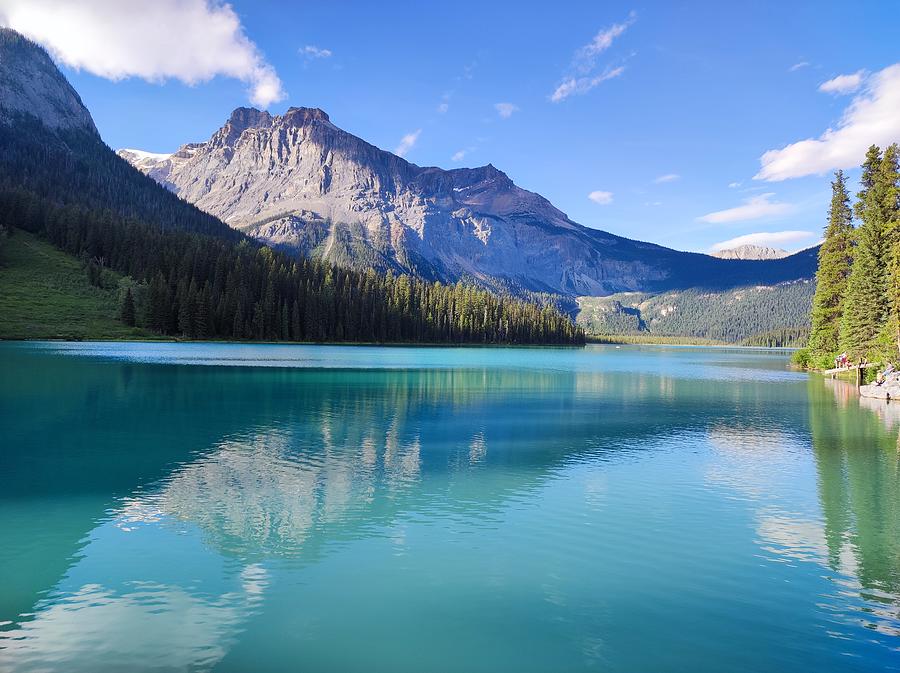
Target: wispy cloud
{"type": "Point", "coordinates": [460, 155]}
{"type": "Point", "coordinates": [187, 40]}
{"type": "Point", "coordinates": [798, 66]}
{"type": "Point", "coordinates": [407, 142]}
{"type": "Point", "coordinates": [603, 198]}
{"type": "Point", "coordinates": [734, 185]}
{"type": "Point", "coordinates": [871, 118]}
{"type": "Point", "coordinates": [668, 177]}
{"type": "Point", "coordinates": [505, 110]}
{"type": "Point", "coordinates": [767, 239]}
{"type": "Point", "coordinates": [754, 208]}
{"type": "Point", "coordinates": [581, 85]}
{"type": "Point", "coordinates": [843, 83]}
{"type": "Point", "coordinates": [311, 51]}
{"type": "Point", "coordinates": [586, 57]}
{"type": "Point", "coordinates": [443, 107]}
{"type": "Point", "coordinates": [582, 77]}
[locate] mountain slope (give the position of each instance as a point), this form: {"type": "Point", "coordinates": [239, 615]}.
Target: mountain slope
{"type": "Point", "coordinates": [299, 182]}
{"type": "Point", "coordinates": [46, 294]}
{"type": "Point", "coordinates": [192, 274]}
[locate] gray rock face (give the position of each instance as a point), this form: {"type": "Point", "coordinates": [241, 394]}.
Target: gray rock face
{"type": "Point", "coordinates": [298, 182]}
{"type": "Point", "coordinates": [30, 83]}
{"type": "Point", "coordinates": [751, 252]}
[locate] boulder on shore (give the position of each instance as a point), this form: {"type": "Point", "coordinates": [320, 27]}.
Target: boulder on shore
{"type": "Point", "coordinates": [889, 390]}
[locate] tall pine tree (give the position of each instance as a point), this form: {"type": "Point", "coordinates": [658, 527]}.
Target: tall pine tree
{"type": "Point", "coordinates": [864, 323]}
{"type": "Point", "coordinates": [834, 270]}
{"type": "Point", "coordinates": [889, 205]}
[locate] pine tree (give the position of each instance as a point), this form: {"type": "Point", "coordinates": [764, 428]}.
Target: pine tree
{"type": "Point", "coordinates": [890, 211]}
{"type": "Point", "coordinates": [128, 316]}
{"type": "Point", "coordinates": [834, 269]}
{"type": "Point", "coordinates": [864, 323]}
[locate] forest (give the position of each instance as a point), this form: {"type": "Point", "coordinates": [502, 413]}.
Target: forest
{"type": "Point", "coordinates": [856, 307]}
{"type": "Point", "coordinates": [730, 316]}
{"type": "Point", "coordinates": [190, 275]}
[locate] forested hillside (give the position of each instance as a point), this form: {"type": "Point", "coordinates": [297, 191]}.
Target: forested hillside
{"type": "Point", "coordinates": [72, 190]}
{"type": "Point", "coordinates": [732, 316]}
{"type": "Point", "coordinates": [187, 273]}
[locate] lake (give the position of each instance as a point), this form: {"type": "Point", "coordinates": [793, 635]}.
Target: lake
{"type": "Point", "coordinates": [227, 507]}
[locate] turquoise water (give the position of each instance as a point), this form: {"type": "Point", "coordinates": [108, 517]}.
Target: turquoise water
{"type": "Point", "coordinates": [191, 507]}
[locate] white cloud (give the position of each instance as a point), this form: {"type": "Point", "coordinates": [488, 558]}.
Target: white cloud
{"type": "Point", "coordinates": [459, 156]}
{"type": "Point", "coordinates": [188, 40]}
{"type": "Point", "coordinates": [585, 58]}
{"type": "Point", "coordinates": [870, 119]}
{"type": "Point", "coordinates": [580, 78]}
{"type": "Point", "coordinates": [312, 51]}
{"type": "Point", "coordinates": [407, 142]}
{"type": "Point", "coordinates": [843, 83]}
{"type": "Point", "coordinates": [766, 239]}
{"type": "Point", "coordinates": [581, 85]}
{"type": "Point", "coordinates": [798, 66]}
{"type": "Point", "coordinates": [734, 185]}
{"type": "Point", "coordinates": [505, 110]}
{"type": "Point", "coordinates": [668, 177]}
{"type": "Point", "coordinates": [443, 107]}
{"type": "Point", "coordinates": [603, 198]}
{"type": "Point", "coordinates": [754, 208]}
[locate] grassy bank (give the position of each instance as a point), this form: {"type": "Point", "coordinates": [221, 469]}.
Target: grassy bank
{"type": "Point", "coordinates": [46, 294]}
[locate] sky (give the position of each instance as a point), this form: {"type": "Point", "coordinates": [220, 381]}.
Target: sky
{"type": "Point", "coordinates": [696, 125]}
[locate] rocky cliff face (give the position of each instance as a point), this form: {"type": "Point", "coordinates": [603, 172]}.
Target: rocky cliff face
{"type": "Point", "coordinates": [30, 83]}
{"type": "Point", "coordinates": [299, 182]}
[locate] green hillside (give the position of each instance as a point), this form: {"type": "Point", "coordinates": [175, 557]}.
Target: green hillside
{"type": "Point", "coordinates": [46, 294]}
{"type": "Point", "coordinates": [732, 316]}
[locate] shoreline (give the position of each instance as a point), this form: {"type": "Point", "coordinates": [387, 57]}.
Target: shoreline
{"type": "Point", "coordinates": [386, 344]}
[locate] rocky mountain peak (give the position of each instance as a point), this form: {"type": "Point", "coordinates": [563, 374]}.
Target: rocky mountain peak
{"type": "Point", "coordinates": [30, 83]}
{"type": "Point", "coordinates": [300, 116]}
{"type": "Point", "coordinates": [750, 251]}
{"type": "Point", "coordinates": [244, 118]}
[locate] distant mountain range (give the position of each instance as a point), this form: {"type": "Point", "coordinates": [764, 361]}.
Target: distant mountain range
{"type": "Point", "coordinates": [751, 252]}
{"type": "Point", "coordinates": [298, 182]}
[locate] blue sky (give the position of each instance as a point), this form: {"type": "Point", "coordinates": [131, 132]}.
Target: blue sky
{"type": "Point", "coordinates": [670, 106]}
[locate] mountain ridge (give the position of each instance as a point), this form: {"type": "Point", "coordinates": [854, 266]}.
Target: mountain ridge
{"type": "Point", "coordinates": [300, 183]}
{"type": "Point", "coordinates": [750, 251]}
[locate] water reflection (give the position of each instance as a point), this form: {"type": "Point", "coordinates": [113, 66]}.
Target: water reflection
{"type": "Point", "coordinates": [230, 517]}
{"type": "Point", "coordinates": [858, 463]}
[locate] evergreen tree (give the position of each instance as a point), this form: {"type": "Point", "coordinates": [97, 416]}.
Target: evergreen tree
{"type": "Point", "coordinates": [864, 323]}
{"type": "Point", "coordinates": [128, 314]}
{"type": "Point", "coordinates": [890, 210]}
{"type": "Point", "coordinates": [834, 269]}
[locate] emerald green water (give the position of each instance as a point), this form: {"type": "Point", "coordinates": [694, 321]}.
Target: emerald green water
{"type": "Point", "coordinates": [192, 507]}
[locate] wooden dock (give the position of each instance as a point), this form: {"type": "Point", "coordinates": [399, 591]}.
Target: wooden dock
{"type": "Point", "coordinates": [838, 370]}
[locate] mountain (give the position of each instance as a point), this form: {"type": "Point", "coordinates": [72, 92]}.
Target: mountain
{"type": "Point", "coordinates": [750, 251]}
{"type": "Point", "coordinates": [298, 182]}
{"type": "Point", "coordinates": [30, 83]}
{"type": "Point", "coordinates": [181, 271]}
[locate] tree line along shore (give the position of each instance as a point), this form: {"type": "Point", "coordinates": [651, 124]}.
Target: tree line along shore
{"type": "Point", "coordinates": [856, 307]}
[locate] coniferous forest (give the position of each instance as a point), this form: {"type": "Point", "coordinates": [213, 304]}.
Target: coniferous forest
{"type": "Point", "coordinates": [856, 308]}
{"type": "Point", "coordinates": [191, 275]}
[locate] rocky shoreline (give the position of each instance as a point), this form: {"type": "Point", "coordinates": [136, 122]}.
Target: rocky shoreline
{"type": "Point", "coordinates": [889, 390]}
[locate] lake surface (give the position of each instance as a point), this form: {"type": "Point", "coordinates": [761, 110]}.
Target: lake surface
{"type": "Point", "coordinates": [192, 507]}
